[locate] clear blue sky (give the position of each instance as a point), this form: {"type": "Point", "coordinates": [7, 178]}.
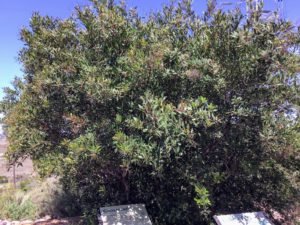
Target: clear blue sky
{"type": "Point", "coordinates": [15, 14]}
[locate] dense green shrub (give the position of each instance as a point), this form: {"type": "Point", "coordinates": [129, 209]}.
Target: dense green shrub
{"type": "Point", "coordinates": [190, 114]}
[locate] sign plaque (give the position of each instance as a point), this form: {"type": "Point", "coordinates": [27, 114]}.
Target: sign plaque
{"type": "Point", "coordinates": [124, 215]}
{"type": "Point", "coordinates": [256, 218]}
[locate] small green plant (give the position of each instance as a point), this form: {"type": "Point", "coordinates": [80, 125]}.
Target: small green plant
{"type": "Point", "coordinates": [3, 179]}
{"type": "Point", "coordinates": [25, 185]}
{"type": "Point", "coordinates": [36, 198]}
{"type": "Point", "coordinates": [15, 206]}
{"type": "Point", "coordinates": [14, 210]}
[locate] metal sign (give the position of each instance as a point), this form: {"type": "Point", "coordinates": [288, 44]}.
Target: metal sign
{"type": "Point", "coordinates": [124, 215]}
{"type": "Point", "coordinates": [256, 218]}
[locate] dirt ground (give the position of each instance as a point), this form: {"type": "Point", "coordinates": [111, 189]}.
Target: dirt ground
{"type": "Point", "coordinates": [67, 221]}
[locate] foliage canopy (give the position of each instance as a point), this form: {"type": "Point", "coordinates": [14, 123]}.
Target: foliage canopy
{"type": "Point", "coordinates": [190, 114]}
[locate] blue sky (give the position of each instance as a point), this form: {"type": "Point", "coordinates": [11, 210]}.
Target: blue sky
{"type": "Point", "coordinates": [15, 14]}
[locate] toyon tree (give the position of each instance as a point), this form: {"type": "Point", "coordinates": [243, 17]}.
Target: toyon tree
{"type": "Point", "coordinates": [190, 114]}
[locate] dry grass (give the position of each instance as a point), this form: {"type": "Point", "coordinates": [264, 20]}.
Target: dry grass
{"type": "Point", "coordinates": [36, 199]}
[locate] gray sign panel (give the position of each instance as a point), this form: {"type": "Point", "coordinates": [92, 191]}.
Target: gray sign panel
{"type": "Point", "coordinates": [256, 218]}
{"type": "Point", "coordinates": [124, 215]}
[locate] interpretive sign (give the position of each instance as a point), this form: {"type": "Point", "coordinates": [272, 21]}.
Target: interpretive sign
{"type": "Point", "coordinates": [256, 218]}
{"type": "Point", "coordinates": [124, 215]}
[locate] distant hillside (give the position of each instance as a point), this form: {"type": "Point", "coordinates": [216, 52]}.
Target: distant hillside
{"type": "Point", "coordinates": [3, 145]}
{"type": "Point", "coordinates": [21, 171]}
{"type": "Point", "coordinates": [3, 148]}
{"type": "Point", "coordinates": [2, 136]}
{"type": "Point", "coordinates": [3, 142]}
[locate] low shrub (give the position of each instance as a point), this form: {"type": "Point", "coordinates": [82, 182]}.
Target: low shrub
{"type": "Point", "coordinates": [35, 199]}
{"type": "Point", "coordinates": [3, 179]}
{"type": "Point", "coordinates": [14, 206]}
{"type": "Point", "coordinates": [52, 200]}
